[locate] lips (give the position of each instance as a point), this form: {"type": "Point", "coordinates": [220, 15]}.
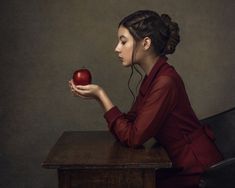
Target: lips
{"type": "Point", "coordinates": [120, 58]}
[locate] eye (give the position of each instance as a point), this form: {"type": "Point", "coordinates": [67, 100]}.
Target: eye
{"type": "Point", "coordinates": [123, 42]}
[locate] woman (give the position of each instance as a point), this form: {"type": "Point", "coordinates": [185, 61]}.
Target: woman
{"type": "Point", "coordinates": [162, 109]}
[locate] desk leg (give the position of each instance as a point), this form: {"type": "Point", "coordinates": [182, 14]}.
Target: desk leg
{"type": "Point", "coordinates": [64, 179]}
{"type": "Point", "coordinates": [149, 178]}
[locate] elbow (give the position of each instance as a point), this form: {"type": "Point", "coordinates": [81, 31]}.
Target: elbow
{"type": "Point", "coordinates": [135, 143]}
{"type": "Point", "coordinates": [132, 139]}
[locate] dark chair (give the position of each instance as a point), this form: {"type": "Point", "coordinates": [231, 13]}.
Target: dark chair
{"type": "Point", "coordinates": [222, 174]}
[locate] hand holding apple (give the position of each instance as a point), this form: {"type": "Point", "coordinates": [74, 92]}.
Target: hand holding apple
{"type": "Point", "coordinates": [81, 86]}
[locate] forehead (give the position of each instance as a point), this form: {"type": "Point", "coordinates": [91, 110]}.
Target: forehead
{"type": "Point", "coordinates": [123, 32]}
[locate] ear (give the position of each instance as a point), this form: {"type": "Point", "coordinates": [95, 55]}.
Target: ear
{"type": "Point", "coordinates": [147, 43]}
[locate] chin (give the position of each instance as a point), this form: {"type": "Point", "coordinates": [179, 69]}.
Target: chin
{"type": "Point", "coordinates": [124, 64]}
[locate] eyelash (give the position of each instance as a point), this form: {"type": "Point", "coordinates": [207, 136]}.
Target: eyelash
{"type": "Point", "coordinates": [123, 42]}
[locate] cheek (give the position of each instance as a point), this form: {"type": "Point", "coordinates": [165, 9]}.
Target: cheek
{"type": "Point", "coordinates": [127, 54]}
{"type": "Point", "coordinates": [128, 51]}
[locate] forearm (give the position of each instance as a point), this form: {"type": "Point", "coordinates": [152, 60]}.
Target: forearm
{"type": "Point", "coordinates": [104, 100]}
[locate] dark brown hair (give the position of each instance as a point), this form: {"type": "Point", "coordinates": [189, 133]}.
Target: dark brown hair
{"type": "Point", "coordinates": [163, 33]}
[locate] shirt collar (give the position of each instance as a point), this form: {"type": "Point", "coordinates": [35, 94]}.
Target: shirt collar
{"type": "Point", "coordinates": [149, 79]}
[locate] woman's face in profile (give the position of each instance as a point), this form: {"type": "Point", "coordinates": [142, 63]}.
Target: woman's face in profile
{"type": "Point", "coordinates": [124, 47]}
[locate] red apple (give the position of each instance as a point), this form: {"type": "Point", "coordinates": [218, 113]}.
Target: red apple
{"type": "Point", "coordinates": [82, 77]}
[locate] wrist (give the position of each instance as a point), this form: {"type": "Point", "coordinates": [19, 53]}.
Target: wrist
{"type": "Point", "coordinates": [104, 100]}
{"type": "Point", "coordinates": [100, 94]}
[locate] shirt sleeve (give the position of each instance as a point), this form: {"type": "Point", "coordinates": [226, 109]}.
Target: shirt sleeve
{"type": "Point", "coordinates": [150, 116]}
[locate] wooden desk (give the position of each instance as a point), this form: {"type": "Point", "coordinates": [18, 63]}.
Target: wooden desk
{"type": "Point", "coordinates": [95, 159]}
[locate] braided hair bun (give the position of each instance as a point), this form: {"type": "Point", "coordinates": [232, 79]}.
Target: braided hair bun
{"type": "Point", "coordinates": [174, 37]}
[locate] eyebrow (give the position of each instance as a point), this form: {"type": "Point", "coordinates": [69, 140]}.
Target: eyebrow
{"type": "Point", "coordinates": [122, 36]}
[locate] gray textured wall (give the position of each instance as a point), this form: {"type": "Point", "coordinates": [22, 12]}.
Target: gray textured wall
{"type": "Point", "coordinates": [43, 42]}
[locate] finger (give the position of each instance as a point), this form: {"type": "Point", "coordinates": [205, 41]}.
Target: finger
{"type": "Point", "coordinates": [83, 87]}
{"type": "Point", "coordinates": [78, 91]}
{"type": "Point", "coordinates": [81, 92]}
{"type": "Point", "coordinates": [73, 86]}
{"type": "Point", "coordinates": [73, 91]}
{"type": "Point", "coordinates": [70, 85]}
{"type": "Point", "coordinates": [70, 82]}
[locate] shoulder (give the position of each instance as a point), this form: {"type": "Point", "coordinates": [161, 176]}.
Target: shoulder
{"type": "Point", "coordinates": [164, 81]}
{"type": "Point", "coordinates": [164, 87]}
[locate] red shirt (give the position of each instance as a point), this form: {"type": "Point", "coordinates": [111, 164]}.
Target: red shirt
{"type": "Point", "coordinates": [162, 110]}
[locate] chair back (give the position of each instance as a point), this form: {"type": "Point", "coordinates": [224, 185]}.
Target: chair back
{"type": "Point", "coordinates": [223, 126]}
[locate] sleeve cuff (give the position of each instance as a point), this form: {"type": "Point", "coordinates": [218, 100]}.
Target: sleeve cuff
{"type": "Point", "coordinates": [111, 115]}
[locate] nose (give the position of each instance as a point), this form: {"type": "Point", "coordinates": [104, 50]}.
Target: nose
{"type": "Point", "coordinates": [117, 49]}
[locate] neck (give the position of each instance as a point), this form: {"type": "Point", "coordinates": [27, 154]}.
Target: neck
{"type": "Point", "coordinates": [148, 63]}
